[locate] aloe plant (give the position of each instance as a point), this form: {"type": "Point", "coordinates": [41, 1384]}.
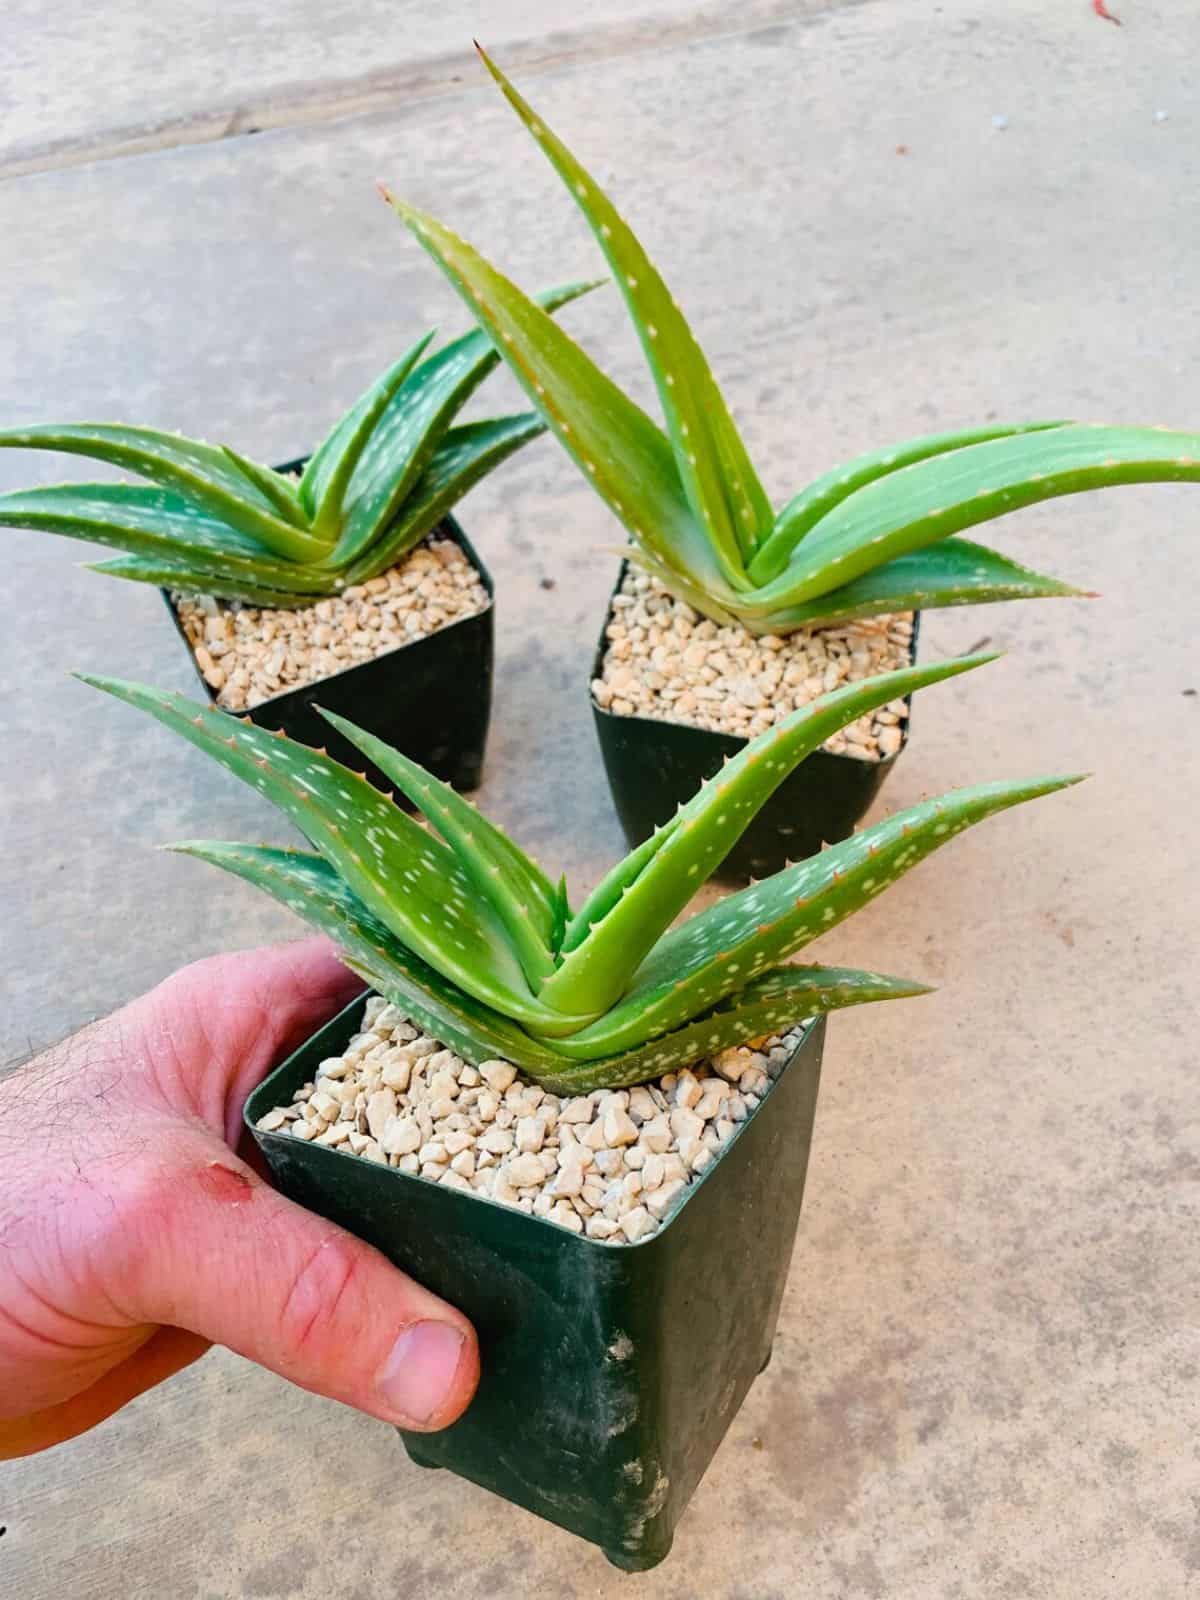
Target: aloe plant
{"type": "Point", "coordinates": [210, 521]}
{"type": "Point", "coordinates": [458, 926]}
{"type": "Point", "coordinates": [879, 534]}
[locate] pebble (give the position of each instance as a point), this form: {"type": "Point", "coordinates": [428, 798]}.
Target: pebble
{"type": "Point", "coordinates": [381, 1108]}
{"type": "Point", "coordinates": [400, 1137]}
{"type": "Point", "coordinates": [685, 1124]}
{"type": "Point", "coordinates": [687, 1089]}
{"type": "Point", "coordinates": [531, 1133]}
{"type": "Point", "coordinates": [658, 1200]}
{"type": "Point", "coordinates": [248, 654]}
{"type": "Point", "coordinates": [567, 1182]}
{"type": "Point", "coordinates": [664, 660]}
{"type": "Point", "coordinates": [610, 1165]}
{"type": "Point", "coordinates": [637, 1223]}
{"type": "Point", "coordinates": [709, 1103]}
{"type": "Point", "coordinates": [733, 1062]}
{"type": "Point", "coordinates": [642, 1106]}
{"type": "Point", "coordinates": [325, 1105]}
{"type": "Point", "coordinates": [619, 1127]}
{"type": "Point", "coordinates": [524, 1171]}
{"type": "Point", "coordinates": [656, 1134]}
{"type": "Point", "coordinates": [498, 1075]}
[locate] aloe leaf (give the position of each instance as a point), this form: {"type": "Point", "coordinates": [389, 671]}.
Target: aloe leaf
{"type": "Point", "coordinates": [465, 455]}
{"type": "Point", "coordinates": [599, 967]}
{"type": "Point", "coordinates": [278, 490]}
{"type": "Point", "coordinates": [562, 914]}
{"type": "Point", "coordinates": [309, 886]}
{"type": "Point", "coordinates": [340, 461]}
{"type": "Point", "coordinates": [773, 1003]}
{"type": "Point", "coordinates": [802, 513]}
{"type": "Point", "coordinates": [202, 473]}
{"type": "Point", "coordinates": [146, 521]}
{"type": "Point", "coordinates": [518, 891]}
{"type": "Point", "coordinates": [718, 476]}
{"type": "Point", "coordinates": [626, 458]}
{"type": "Point", "coordinates": [406, 876]}
{"type": "Point", "coordinates": [321, 465]}
{"type": "Point", "coordinates": [199, 578]}
{"type": "Point", "coordinates": [413, 425]}
{"type": "Point", "coordinates": [614, 884]}
{"type": "Point", "coordinates": [956, 572]}
{"type": "Point", "coordinates": [921, 504]}
{"type": "Point", "coordinates": [442, 376]}
{"type": "Point", "coordinates": [716, 952]}
{"type": "Point", "coordinates": [405, 439]}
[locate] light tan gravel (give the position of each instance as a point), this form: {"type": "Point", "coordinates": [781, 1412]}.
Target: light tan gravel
{"type": "Point", "coordinates": [666, 661]}
{"type": "Point", "coordinates": [248, 654]}
{"type": "Point", "coordinates": [613, 1165]}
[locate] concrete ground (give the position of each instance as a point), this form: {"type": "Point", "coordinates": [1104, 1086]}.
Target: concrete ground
{"type": "Point", "coordinates": [985, 1380]}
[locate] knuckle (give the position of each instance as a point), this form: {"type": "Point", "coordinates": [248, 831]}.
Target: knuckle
{"type": "Point", "coordinates": [197, 983]}
{"type": "Point", "coordinates": [308, 1313]}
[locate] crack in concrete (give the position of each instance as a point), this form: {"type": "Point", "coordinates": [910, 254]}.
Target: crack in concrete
{"type": "Point", "coordinates": [410, 83]}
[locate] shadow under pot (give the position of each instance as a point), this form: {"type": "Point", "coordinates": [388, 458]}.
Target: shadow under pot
{"type": "Point", "coordinates": [431, 699]}
{"type": "Point", "coordinates": [655, 766]}
{"type": "Point", "coordinates": [610, 1372]}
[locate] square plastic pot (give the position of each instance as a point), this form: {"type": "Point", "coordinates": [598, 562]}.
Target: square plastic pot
{"type": "Point", "coordinates": [655, 766]}
{"type": "Point", "coordinates": [431, 699]}
{"type": "Point", "coordinates": [610, 1372]}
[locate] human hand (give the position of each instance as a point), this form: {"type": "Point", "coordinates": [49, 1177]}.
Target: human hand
{"type": "Point", "coordinates": [132, 1236]}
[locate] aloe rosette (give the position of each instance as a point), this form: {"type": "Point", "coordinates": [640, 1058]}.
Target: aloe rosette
{"type": "Point", "coordinates": [210, 521]}
{"type": "Point", "coordinates": [878, 534]}
{"type": "Point", "coordinates": [454, 923]}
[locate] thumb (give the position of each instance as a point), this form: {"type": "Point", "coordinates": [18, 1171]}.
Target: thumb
{"type": "Point", "coordinates": [222, 1254]}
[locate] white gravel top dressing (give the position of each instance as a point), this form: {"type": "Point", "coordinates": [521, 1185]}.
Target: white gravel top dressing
{"type": "Point", "coordinates": [613, 1165]}
{"type": "Point", "coordinates": [247, 653]}
{"type": "Point", "coordinates": [665, 660]}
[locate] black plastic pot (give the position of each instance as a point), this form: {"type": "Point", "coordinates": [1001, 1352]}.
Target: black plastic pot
{"type": "Point", "coordinates": [610, 1372]}
{"type": "Point", "coordinates": [654, 766]}
{"type": "Point", "coordinates": [432, 699]}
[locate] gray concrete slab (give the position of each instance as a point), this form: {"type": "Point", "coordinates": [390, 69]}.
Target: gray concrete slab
{"type": "Point", "coordinates": [80, 82]}
{"type": "Point", "coordinates": [985, 1381]}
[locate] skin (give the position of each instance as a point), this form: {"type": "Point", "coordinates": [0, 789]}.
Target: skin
{"type": "Point", "coordinates": [133, 1236]}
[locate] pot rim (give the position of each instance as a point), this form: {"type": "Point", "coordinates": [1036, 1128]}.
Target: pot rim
{"type": "Point", "coordinates": [384, 655]}
{"type": "Point", "coordinates": [806, 1024]}
{"type": "Point", "coordinates": [738, 740]}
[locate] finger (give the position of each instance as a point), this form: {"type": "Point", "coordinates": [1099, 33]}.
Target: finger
{"type": "Point", "coordinates": [216, 1250]}
{"type": "Point", "coordinates": [213, 1030]}
{"type": "Point", "coordinates": [165, 1352]}
{"type": "Point", "coordinates": [254, 1004]}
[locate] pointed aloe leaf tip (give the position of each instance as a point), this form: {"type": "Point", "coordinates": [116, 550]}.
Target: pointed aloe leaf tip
{"type": "Point", "coordinates": [721, 483]}
{"type": "Point", "coordinates": [95, 680]}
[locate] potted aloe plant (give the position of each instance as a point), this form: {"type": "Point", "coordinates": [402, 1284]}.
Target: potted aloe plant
{"type": "Point", "coordinates": [734, 611]}
{"type": "Point", "coordinates": [587, 1128]}
{"type": "Point", "coordinates": [341, 578]}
